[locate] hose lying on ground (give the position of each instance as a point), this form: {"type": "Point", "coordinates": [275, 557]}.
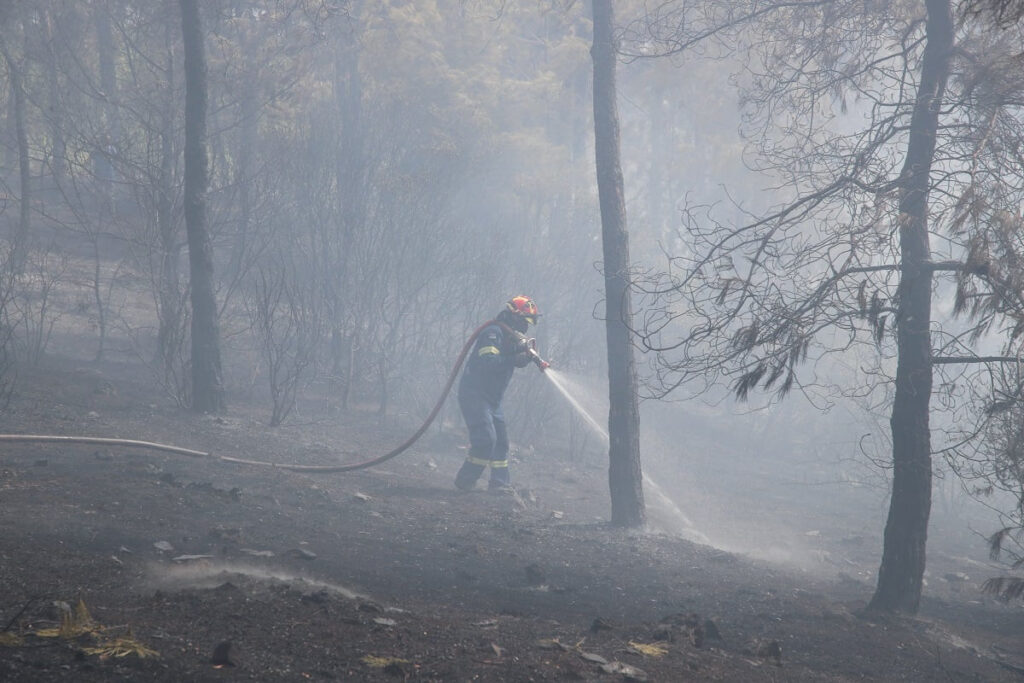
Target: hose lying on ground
{"type": "Point", "coordinates": [292, 467]}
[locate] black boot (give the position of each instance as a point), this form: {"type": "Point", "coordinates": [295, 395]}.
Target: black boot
{"type": "Point", "coordinates": [500, 481]}
{"type": "Point", "coordinates": [465, 480]}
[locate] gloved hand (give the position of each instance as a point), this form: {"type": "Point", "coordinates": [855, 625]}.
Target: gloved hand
{"type": "Point", "coordinates": [524, 345]}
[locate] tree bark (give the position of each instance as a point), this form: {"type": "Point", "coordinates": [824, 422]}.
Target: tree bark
{"type": "Point", "coordinates": [624, 476]}
{"type": "Point", "coordinates": [106, 145]}
{"type": "Point", "coordinates": [16, 75]}
{"type": "Point", "coordinates": [55, 108]}
{"type": "Point", "coordinates": [249, 111]}
{"type": "Point", "coordinates": [170, 300]}
{"type": "Point", "coordinates": [903, 556]}
{"type": "Point", "coordinates": [207, 384]}
{"type": "Point", "coordinates": [350, 171]}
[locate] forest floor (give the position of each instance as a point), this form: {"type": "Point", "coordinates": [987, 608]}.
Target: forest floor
{"type": "Point", "coordinates": [119, 563]}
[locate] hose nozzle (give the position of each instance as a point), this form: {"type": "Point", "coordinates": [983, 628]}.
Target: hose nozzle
{"type": "Point", "coordinates": [541, 364]}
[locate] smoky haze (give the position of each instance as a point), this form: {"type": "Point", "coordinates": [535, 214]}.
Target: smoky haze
{"type": "Point", "coordinates": [383, 177]}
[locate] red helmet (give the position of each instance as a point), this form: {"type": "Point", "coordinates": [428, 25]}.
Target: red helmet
{"type": "Point", "coordinates": [524, 306]}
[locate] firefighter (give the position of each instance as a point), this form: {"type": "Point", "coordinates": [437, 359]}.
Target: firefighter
{"type": "Point", "coordinates": [500, 348]}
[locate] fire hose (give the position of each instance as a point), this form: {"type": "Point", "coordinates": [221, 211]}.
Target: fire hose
{"type": "Point", "coordinates": [521, 342]}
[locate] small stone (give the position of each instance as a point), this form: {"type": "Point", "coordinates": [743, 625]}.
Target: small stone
{"type": "Point", "coordinates": [627, 671]}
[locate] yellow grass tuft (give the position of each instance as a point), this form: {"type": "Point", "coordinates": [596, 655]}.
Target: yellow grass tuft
{"type": "Point", "coordinates": [649, 649]}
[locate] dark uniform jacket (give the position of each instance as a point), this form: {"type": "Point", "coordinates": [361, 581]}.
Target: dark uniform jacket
{"type": "Point", "coordinates": [490, 365]}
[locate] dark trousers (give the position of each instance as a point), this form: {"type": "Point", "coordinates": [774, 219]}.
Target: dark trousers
{"type": "Point", "coordinates": [488, 442]}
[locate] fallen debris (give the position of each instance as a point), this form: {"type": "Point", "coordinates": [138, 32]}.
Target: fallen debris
{"type": "Point", "coordinates": [73, 623]}
{"type": "Point", "coordinates": [552, 644]}
{"type": "Point", "coordinates": [121, 647]}
{"type": "Point", "coordinates": [627, 671]}
{"type": "Point", "coordinates": [78, 623]}
{"type": "Point", "coordinates": [302, 553]}
{"type": "Point", "coordinates": [592, 657]}
{"type": "Point", "coordinates": [190, 558]}
{"type": "Point", "coordinates": [393, 666]}
{"type": "Point", "coordinates": [648, 649]}
{"type": "Point", "coordinates": [10, 639]}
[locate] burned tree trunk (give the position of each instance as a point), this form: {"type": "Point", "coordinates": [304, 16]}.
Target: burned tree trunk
{"type": "Point", "coordinates": [207, 384]}
{"type": "Point", "coordinates": [16, 75]}
{"type": "Point", "coordinates": [102, 157]}
{"type": "Point", "coordinates": [55, 108]}
{"type": "Point", "coordinates": [624, 476]}
{"type": "Point", "coordinates": [350, 170]}
{"type": "Point", "coordinates": [903, 557]}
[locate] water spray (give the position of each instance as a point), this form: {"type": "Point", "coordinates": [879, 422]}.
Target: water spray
{"type": "Point", "coordinates": [686, 525]}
